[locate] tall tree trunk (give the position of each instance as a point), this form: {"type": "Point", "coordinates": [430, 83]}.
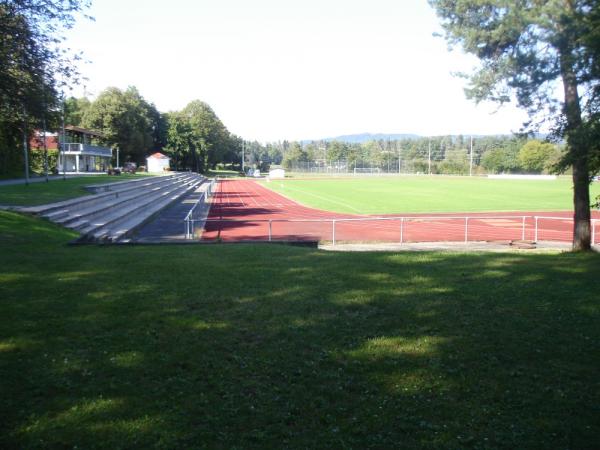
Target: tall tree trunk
{"type": "Point", "coordinates": [581, 180]}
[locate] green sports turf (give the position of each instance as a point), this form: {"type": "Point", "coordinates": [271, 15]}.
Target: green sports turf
{"type": "Point", "coordinates": [393, 195]}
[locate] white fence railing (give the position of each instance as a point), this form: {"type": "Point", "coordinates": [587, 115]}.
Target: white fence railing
{"type": "Point", "coordinates": [539, 219]}
{"type": "Point", "coordinates": [397, 229]}
{"type": "Point", "coordinates": [199, 210]}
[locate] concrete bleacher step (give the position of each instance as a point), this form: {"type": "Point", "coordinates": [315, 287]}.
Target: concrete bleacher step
{"type": "Point", "coordinates": [121, 185]}
{"type": "Point", "coordinates": [119, 227]}
{"type": "Point", "coordinates": [113, 226]}
{"type": "Point", "coordinates": [86, 200]}
{"type": "Point", "coordinates": [71, 218]}
{"type": "Point", "coordinates": [117, 207]}
{"type": "Point", "coordinates": [130, 207]}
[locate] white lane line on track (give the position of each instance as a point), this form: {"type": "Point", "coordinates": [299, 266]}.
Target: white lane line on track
{"type": "Point", "coordinates": [245, 187]}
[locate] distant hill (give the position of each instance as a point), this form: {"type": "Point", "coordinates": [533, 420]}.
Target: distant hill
{"type": "Point", "coordinates": [366, 137]}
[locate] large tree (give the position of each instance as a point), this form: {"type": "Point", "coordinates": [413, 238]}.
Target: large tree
{"type": "Point", "coordinates": [209, 137]}
{"type": "Point", "coordinates": [536, 156]}
{"type": "Point", "coordinates": [530, 48]}
{"type": "Point", "coordinates": [126, 120]}
{"type": "Point", "coordinates": [34, 67]}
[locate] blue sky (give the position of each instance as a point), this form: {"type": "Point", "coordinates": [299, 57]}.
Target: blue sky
{"type": "Point", "coordinates": [289, 69]}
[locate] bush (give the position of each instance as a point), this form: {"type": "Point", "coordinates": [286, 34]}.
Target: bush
{"type": "Point", "coordinates": [36, 161]}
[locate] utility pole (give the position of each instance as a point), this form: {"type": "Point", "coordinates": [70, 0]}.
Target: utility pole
{"type": "Point", "coordinates": [471, 162]}
{"type": "Point", "coordinates": [243, 148]}
{"type": "Point", "coordinates": [429, 157]}
{"type": "Point", "coordinates": [44, 124]}
{"type": "Point", "coordinates": [25, 154]}
{"type": "Point", "coordinates": [45, 143]}
{"type": "Point", "coordinates": [62, 141]}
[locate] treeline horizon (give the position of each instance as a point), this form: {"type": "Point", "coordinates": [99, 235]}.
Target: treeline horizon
{"type": "Point", "coordinates": [196, 139]}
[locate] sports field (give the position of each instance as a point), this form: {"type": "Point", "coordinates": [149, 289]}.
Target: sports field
{"type": "Point", "coordinates": [394, 195]}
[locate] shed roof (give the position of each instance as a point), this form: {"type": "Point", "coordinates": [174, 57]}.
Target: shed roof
{"type": "Point", "coordinates": [83, 131]}
{"type": "Point", "coordinates": [158, 155]}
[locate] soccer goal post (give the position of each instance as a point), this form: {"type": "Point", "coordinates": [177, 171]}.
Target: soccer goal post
{"type": "Point", "coordinates": [366, 170]}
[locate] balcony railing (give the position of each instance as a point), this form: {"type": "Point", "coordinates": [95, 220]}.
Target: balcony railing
{"type": "Point", "coordinates": [86, 149]}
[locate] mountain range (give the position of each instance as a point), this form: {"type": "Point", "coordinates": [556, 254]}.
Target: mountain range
{"type": "Point", "coordinates": [366, 137]}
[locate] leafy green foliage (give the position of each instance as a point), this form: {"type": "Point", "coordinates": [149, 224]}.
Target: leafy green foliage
{"type": "Point", "coordinates": [296, 154]}
{"type": "Point", "coordinates": [501, 160]}
{"type": "Point", "coordinates": [126, 120]}
{"type": "Point", "coordinates": [536, 156]}
{"type": "Point", "coordinates": [197, 139]}
{"type": "Point", "coordinates": [34, 69]}
{"type": "Point", "coordinates": [524, 49]}
{"type": "Point", "coordinates": [75, 108]}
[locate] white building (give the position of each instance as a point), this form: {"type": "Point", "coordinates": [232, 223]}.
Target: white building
{"type": "Point", "coordinates": [276, 173]}
{"type": "Point", "coordinates": [157, 162]}
{"type": "Point", "coordinates": [76, 153]}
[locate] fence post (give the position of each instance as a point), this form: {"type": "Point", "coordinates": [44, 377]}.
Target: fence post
{"type": "Point", "coordinates": [333, 231]}
{"type": "Point", "coordinates": [187, 228]}
{"type": "Point", "coordinates": [466, 230]}
{"type": "Point", "coordinates": [594, 231]}
{"type": "Point", "coordinates": [270, 231]}
{"type": "Point", "coordinates": [401, 230]}
{"type": "Point", "coordinates": [536, 228]}
{"type": "Point", "coordinates": [523, 229]}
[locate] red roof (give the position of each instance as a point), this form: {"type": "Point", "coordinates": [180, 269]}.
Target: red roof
{"type": "Point", "coordinates": [158, 155]}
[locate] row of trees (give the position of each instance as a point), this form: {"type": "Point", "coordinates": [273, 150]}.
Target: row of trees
{"type": "Point", "coordinates": [34, 69]}
{"type": "Point", "coordinates": [194, 137]}
{"type": "Point", "coordinates": [441, 154]}
{"type": "Point", "coordinates": [35, 72]}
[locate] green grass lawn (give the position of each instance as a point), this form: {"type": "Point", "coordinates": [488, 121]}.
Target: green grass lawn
{"type": "Point", "coordinates": [395, 195]}
{"type": "Point", "coordinates": [259, 346]}
{"type": "Point", "coordinates": [41, 193]}
{"type": "Point", "coordinates": [223, 173]}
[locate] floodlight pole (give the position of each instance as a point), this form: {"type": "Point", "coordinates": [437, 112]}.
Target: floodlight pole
{"type": "Point", "coordinates": [243, 148]}
{"type": "Point", "coordinates": [429, 157]}
{"type": "Point", "coordinates": [471, 162]}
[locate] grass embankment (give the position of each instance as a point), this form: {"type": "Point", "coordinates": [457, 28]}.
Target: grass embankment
{"type": "Point", "coordinates": [40, 193]}
{"type": "Point", "coordinates": [424, 194]}
{"type": "Point", "coordinates": [257, 346]}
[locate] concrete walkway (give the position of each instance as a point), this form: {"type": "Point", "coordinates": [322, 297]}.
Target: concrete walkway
{"type": "Point", "coordinates": [40, 179]}
{"type": "Point", "coordinates": [168, 226]}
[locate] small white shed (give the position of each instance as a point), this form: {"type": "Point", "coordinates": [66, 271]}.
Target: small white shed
{"type": "Point", "coordinates": [276, 173]}
{"type": "Point", "coordinates": [157, 162]}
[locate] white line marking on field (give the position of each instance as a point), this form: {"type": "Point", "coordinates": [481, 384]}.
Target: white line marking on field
{"type": "Point", "coordinates": [327, 199]}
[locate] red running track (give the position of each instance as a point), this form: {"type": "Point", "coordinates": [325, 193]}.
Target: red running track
{"type": "Point", "coordinates": [244, 210]}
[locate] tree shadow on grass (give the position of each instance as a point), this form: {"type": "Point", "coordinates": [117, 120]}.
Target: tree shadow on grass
{"type": "Point", "coordinates": [276, 347]}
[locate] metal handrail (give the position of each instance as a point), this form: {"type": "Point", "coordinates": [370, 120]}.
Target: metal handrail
{"type": "Point", "coordinates": [401, 219]}
{"type": "Point", "coordinates": [189, 221]}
